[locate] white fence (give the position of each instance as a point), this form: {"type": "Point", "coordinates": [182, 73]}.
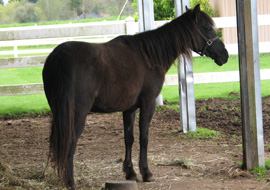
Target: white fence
{"type": "Point", "coordinates": [96, 32]}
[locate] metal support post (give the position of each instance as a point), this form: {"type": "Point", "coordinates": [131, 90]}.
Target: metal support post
{"type": "Point", "coordinates": [186, 82]}
{"type": "Point", "coordinates": [250, 86]}
{"type": "Point", "coordinates": [146, 15]}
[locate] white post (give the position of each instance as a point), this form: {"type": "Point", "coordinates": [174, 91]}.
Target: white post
{"type": "Point", "coordinates": [131, 26]}
{"type": "Point", "coordinates": [186, 82]}
{"type": "Point", "coordinates": [15, 51]}
{"type": "Point", "coordinates": [146, 14]}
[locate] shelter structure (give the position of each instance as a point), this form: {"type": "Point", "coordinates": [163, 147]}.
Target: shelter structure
{"type": "Point", "coordinates": [250, 86]}
{"type": "Point", "coordinates": [250, 83]}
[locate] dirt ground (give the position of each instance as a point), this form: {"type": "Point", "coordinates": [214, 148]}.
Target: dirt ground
{"type": "Point", "coordinates": [177, 160]}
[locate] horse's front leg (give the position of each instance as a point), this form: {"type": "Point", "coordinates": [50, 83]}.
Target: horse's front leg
{"type": "Point", "coordinates": [128, 118]}
{"type": "Point", "coordinates": [146, 113]}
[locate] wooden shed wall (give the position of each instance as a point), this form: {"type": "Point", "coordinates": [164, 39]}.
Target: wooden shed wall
{"type": "Point", "coordinates": [227, 8]}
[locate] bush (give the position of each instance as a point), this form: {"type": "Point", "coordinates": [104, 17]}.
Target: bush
{"type": "Point", "coordinates": [26, 13]}
{"type": "Point", "coordinates": [205, 6]}
{"type": "Point", "coordinates": [164, 9]}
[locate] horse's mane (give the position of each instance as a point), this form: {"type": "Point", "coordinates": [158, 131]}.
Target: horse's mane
{"type": "Point", "coordinates": [163, 45]}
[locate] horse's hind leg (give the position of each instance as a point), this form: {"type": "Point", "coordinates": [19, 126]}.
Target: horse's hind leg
{"type": "Point", "coordinates": [128, 118]}
{"type": "Point", "coordinates": [83, 105]}
{"type": "Point", "coordinates": [79, 122]}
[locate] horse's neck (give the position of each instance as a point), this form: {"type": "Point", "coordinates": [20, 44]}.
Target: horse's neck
{"type": "Point", "coordinates": [163, 45]}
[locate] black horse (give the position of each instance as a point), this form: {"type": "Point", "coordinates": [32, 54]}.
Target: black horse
{"type": "Point", "coordinates": [123, 74]}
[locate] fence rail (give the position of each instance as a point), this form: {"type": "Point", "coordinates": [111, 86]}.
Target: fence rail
{"type": "Point", "coordinates": [170, 80]}
{"type": "Point", "coordinates": [96, 33]}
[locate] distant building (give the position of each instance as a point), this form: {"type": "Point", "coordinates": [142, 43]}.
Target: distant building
{"type": "Point", "coordinates": [85, 16]}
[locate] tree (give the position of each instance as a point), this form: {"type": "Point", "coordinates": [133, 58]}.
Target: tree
{"type": "Point", "coordinates": [40, 16]}
{"type": "Point", "coordinates": [205, 6]}
{"type": "Point", "coordinates": [75, 5]}
{"type": "Point", "coordinates": [55, 10]}
{"type": "Point", "coordinates": [164, 9]}
{"type": "Point", "coordinates": [87, 6]}
{"type": "Point", "coordinates": [25, 13]}
{"type": "Point", "coordinates": [2, 2]}
{"type": "Point", "coordinates": [7, 12]}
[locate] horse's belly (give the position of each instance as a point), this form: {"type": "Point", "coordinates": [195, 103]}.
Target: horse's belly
{"type": "Point", "coordinates": [109, 103]}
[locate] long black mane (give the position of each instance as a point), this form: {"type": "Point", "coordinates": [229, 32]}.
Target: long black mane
{"type": "Point", "coordinates": [163, 45]}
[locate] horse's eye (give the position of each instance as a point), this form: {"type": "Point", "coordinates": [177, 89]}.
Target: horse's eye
{"type": "Point", "coordinates": [209, 29]}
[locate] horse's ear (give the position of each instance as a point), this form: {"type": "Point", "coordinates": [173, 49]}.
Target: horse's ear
{"type": "Point", "coordinates": [187, 9]}
{"type": "Point", "coordinates": [197, 9]}
{"type": "Point", "coordinates": [196, 12]}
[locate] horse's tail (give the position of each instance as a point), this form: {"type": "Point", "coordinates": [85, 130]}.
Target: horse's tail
{"type": "Point", "coordinates": [58, 77]}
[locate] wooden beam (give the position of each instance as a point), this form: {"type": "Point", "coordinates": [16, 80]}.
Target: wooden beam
{"type": "Point", "coordinates": [250, 86]}
{"type": "Point", "coordinates": [63, 30]}
{"type": "Point", "coordinates": [21, 89]}
{"type": "Point", "coordinates": [22, 62]}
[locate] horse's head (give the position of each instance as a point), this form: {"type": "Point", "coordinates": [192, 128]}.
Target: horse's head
{"type": "Point", "coordinates": [209, 43]}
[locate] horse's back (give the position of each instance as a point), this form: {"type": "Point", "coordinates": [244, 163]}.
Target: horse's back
{"type": "Point", "coordinates": [111, 75]}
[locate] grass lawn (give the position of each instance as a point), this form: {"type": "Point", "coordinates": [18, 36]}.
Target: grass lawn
{"type": "Point", "coordinates": [38, 104]}
{"type": "Point", "coordinates": [21, 75]}
{"type": "Point", "coordinates": [24, 104]}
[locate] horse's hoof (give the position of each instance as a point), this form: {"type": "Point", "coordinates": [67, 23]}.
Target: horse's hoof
{"type": "Point", "coordinates": [129, 171]}
{"type": "Point", "coordinates": [147, 176]}
{"type": "Point", "coordinates": [131, 176]}
{"type": "Point", "coordinates": [134, 178]}
{"type": "Point", "coordinates": [72, 187]}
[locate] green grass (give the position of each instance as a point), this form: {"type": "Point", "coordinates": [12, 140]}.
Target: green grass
{"type": "Point", "coordinates": [203, 134]}
{"type": "Point", "coordinates": [21, 75]}
{"type": "Point", "coordinates": [262, 172]}
{"type": "Point", "coordinates": [25, 104]}
{"type": "Point", "coordinates": [267, 164]}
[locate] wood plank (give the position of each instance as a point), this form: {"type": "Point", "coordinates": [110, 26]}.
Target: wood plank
{"type": "Point", "coordinates": [214, 77]}
{"type": "Point", "coordinates": [21, 89]}
{"type": "Point", "coordinates": [22, 62]}
{"type": "Point", "coordinates": [67, 30]}
{"type": "Point", "coordinates": [250, 86]}
{"type": "Point", "coordinates": [170, 80]}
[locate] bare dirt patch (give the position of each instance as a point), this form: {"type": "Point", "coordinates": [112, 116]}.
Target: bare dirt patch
{"type": "Point", "coordinates": [177, 161]}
